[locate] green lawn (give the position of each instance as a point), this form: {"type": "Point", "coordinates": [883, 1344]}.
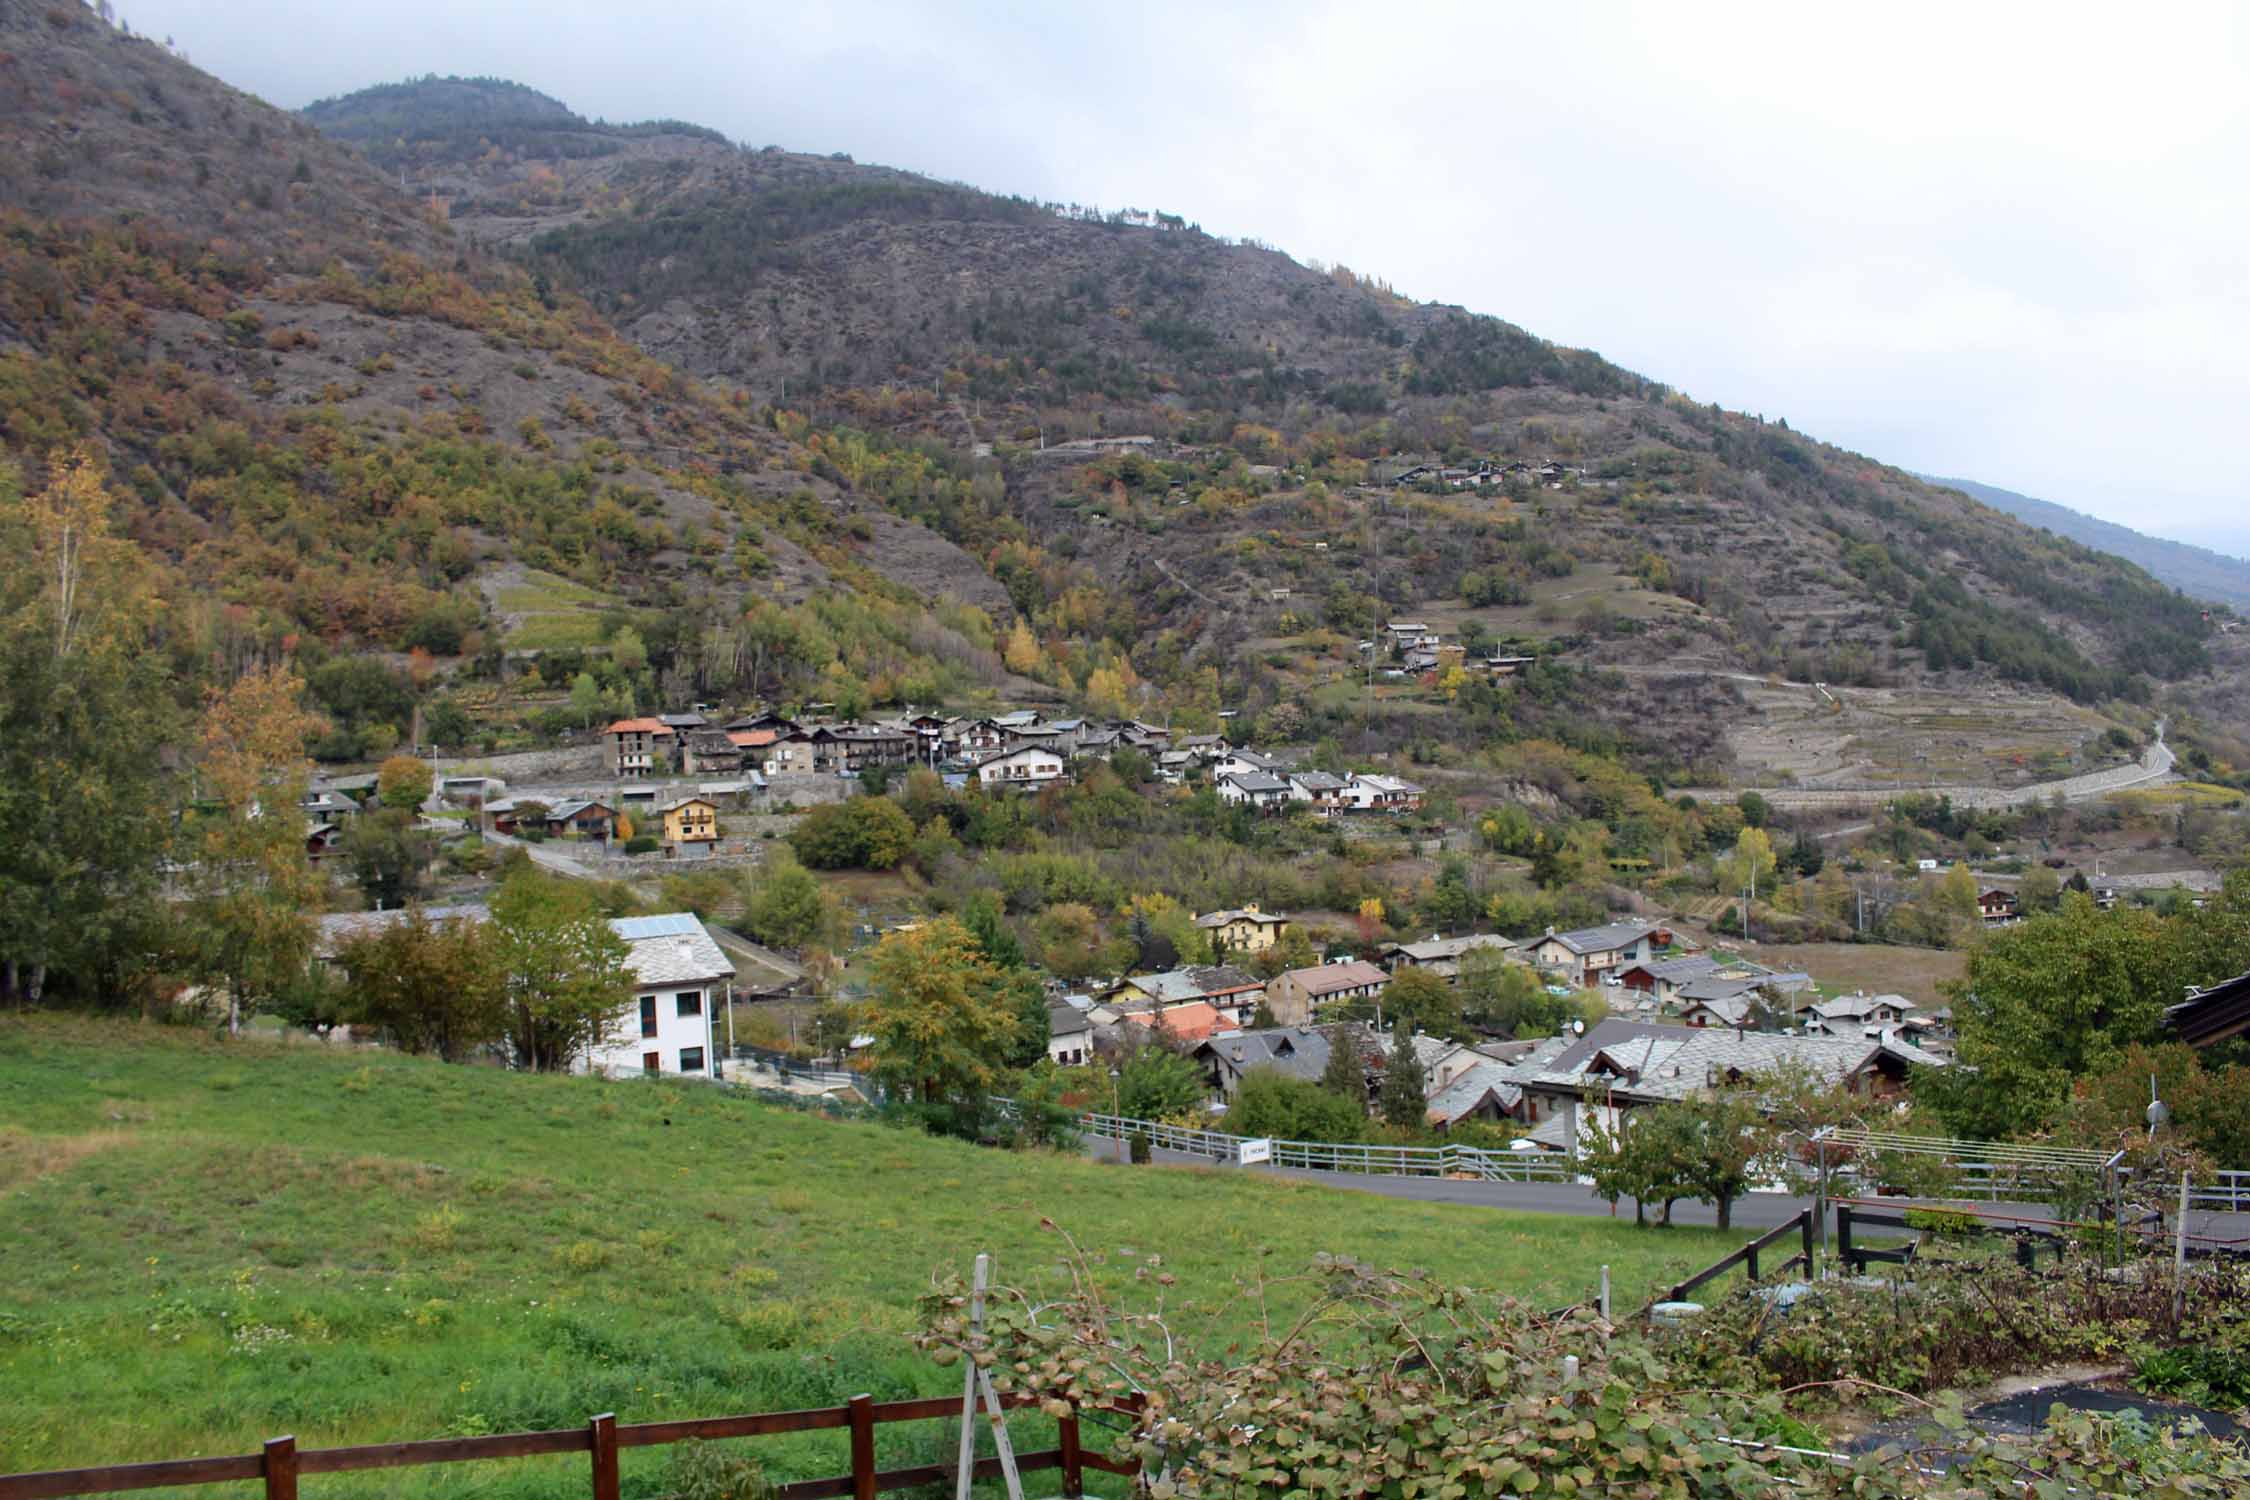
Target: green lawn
{"type": "Point", "coordinates": [210, 1243]}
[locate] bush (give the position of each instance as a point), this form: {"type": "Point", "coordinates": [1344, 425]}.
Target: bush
{"type": "Point", "coordinates": [1138, 1149]}
{"type": "Point", "coordinates": [643, 843]}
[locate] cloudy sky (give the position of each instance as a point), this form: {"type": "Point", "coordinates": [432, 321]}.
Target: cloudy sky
{"type": "Point", "coordinates": [2004, 241]}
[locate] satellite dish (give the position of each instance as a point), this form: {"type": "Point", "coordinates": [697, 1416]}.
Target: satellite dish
{"type": "Point", "coordinates": [1578, 1028]}
{"type": "Point", "coordinates": [2158, 1113]}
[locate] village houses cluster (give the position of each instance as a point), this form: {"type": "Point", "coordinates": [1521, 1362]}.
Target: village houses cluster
{"type": "Point", "coordinates": [1679, 1020]}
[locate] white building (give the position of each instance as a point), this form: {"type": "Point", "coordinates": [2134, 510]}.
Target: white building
{"type": "Point", "coordinates": [680, 982]}
{"type": "Point", "coordinates": [1033, 765]}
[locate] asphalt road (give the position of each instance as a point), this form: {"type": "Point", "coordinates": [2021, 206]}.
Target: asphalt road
{"type": "Point", "coordinates": [1754, 1211]}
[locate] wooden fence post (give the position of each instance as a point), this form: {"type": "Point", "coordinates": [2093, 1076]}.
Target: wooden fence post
{"type": "Point", "coordinates": [1073, 1462]}
{"type": "Point", "coordinates": [602, 1437]}
{"type": "Point", "coordinates": [281, 1468]}
{"type": "Point", "coordinates": [1844, 1239]}
{"type": "Point", "coordinates": [862, 1409]}
{"type": "Point", "coordinates": [1805, 1226]}
{"type": "Point", "coordinates": [1750, 1260]}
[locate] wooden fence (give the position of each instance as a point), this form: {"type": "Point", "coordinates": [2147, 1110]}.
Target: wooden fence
{"type": "Point", "coordinates": [282, 1463]}
{"type": "Point", "coordinates": [1802, 1226]}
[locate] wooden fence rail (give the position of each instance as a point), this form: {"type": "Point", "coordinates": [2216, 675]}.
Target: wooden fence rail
{"type": "Point", "coordinates": [282, 1462]}
{"type": "Point", "coordinates": [1802, 1226]}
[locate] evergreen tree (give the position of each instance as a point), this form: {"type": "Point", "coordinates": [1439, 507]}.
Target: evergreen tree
{"type": "Point", "coordinates": [1346, 1073]}
{"type": "Point", "coordinates": [1404, 1097]}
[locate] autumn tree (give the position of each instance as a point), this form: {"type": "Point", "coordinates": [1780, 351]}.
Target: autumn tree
{"type": "Point", "coordinates": [1021, 653]}
{"type": "Point", "coordinates": [403, 783]}
{"type": "Point", "coordinates": [1369, 921]}
{"type": "Point", "coordinates": [85, 701]}
{"type": "Point", "coordinates": [254, 891]}
{"type": "Point", "coordinates": [565, 975]}
{"type": "Point", "coordinates": [941, 1015]}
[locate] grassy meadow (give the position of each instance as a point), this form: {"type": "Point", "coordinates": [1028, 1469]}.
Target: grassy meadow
{"type": "Point", "coordinates": [210, 1243]}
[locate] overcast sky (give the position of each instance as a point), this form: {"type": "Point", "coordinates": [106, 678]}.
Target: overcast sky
{"type": "Point", "coordinates": [2008, 242]}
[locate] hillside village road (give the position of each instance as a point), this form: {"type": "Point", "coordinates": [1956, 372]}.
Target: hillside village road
{"type": "Point", "coordinates": [544, 857]}
{"type": "Point", "coordinates": [1755, 1211]}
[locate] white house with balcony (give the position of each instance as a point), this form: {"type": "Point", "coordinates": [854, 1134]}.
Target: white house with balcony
{"type": "Point", "coordinates": [681, 983]}
{"type": "Point", "coordinates": [1025, 766]}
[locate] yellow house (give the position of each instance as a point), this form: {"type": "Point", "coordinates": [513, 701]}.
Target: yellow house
{"type": "Point", "coordinates": [691, 820]}
{"type": "Point", "coordinates": [1246, 931]}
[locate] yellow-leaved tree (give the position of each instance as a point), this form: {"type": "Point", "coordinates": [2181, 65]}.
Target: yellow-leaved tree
{"type": "Point", "coordinates": [255, 890]}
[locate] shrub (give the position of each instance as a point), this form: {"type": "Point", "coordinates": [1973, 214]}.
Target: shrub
{"type": "Point", "coordinates": [1137, 1148]}
{"type": "Point", "coordinates": [643, 843]}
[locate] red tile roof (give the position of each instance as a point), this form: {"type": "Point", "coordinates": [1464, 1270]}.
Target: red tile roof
{"type": "Point", "coordinates": [639, 726]}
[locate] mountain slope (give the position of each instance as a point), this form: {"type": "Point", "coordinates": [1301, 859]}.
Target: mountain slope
{"type": "Point", "coordinates": [819, 430]}
{"type": "Point", "coordinates": [927, 312]}
{"type": "Point", "coordinates": [2191, 569]}
{"type": "Point", "coordinates": [333, 417]}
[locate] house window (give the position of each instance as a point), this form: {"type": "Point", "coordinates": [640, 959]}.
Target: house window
{"type": "Point", "coordinates": [648, 1015]}
{"type": "Point", "coordinates": [652, 1062]}
{"type": "Point", "coordinates": [691, 1002]}
{"type": "Point", "coordinates": [691, 1059]}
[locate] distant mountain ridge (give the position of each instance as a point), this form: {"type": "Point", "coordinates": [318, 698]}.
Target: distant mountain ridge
{"type": "Point", "coordinates": [2193, 570]}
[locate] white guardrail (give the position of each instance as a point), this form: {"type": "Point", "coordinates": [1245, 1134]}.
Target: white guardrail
{"type": "Point", "coordinates": [1329, 1156]}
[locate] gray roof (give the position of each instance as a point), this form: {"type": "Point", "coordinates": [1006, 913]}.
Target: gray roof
{"type": "Point", "coordinates": [1179, 986]}
{"type": "Point", "coordinates": [1243, 914]}
{"type": "Point", "coordinates": [339, 928]}
{"type": "Point", "coordinates": [672, 948]}
{"type": "Point", "coordinates": [1468, 1092]}
{"type": "Point", "coordinates": [1298, 1051]}
{"type": "Point", "coordinates": [1255, 761]}
{"type": "Point", "coordinates": [1066, 1020]}
{"type": "Point", "coordinates": [1681, 970]}
{"type": "Point", "coordinates": [1316, 782]}
{"type": "Point", "coordinates": [1256, 782]}
{"type": "Point", "coordinates": [1676, 1062]}
{"type": "Point", "coordinates": [1860, 1007]}
{"type": "Point", "coordinates": [1601, 939]}
{"type": "Point", "coordinates": [1439, 949]}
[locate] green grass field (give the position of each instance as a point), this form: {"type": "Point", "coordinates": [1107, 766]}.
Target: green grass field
{"type": "Point", "coordinates": [210, 1243]}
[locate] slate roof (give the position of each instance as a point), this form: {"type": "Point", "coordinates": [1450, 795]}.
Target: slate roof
{"type": "Point", "coordinates": [1860, 1007]}
{"type": "Point", "coordinates": [1319, 783]}
{"type": "Point", "coordinates": [339, 928]}
{"type": "Point", "coordinates": [1067, 1020]}
{"type": "Point", "coordinates": [1607, 939]}
{"type": "Point", "coordinates": [1439, 949]}
{"type": "Point", "coordinates": [672, 948]}
{"type": "Point", "coordinates": [1683, 970]}
{"type": "Point", "coordinates": [1215, 919]}
{"type": "Point", "coordinates": [1295, 1051]}
{"type": "Point", "coordinates": [1467, 1093]}
{"type": "Point", "coordinates": [1677, 1062]}
{"type": "Point", "coordinates": [1258, 783]}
